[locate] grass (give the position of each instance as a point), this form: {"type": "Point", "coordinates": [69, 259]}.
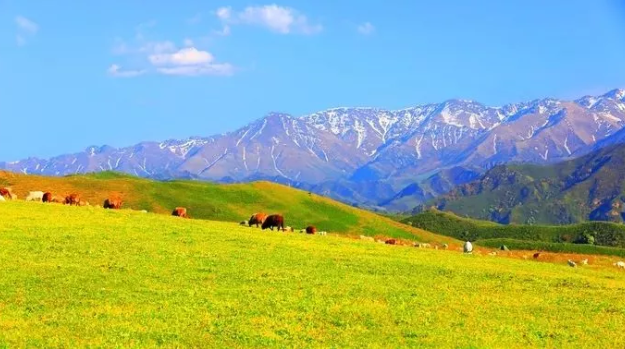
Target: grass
{"type": "Point", "coordinates": [221, 202]}
{"type": "Point", "coordinates": [547, 237]}
{"type": "Point", "coordinates": [88, 277]}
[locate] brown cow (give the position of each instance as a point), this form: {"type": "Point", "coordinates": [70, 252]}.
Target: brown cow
{"type": "Point", "coordinates": [311, 230]}
{"type": "Point", "coordinates": [180, 212]}
{"type": "Point", "coordinates": [274, 220]}
{"type": "Point", "coordinates": [257, 218]}
{"type": "Point", "coordinates": [72, 199]}
{"type": "Point", "coordinates": [113, 203]}
{"type": "Point", "coordinates": [47, 197]}
{"type": "Point", "coordinates": [391, 242]}
{"type": "Point", "coordinates": [7, 193]}
{"type": "Point", "coordinates": [536, 255]}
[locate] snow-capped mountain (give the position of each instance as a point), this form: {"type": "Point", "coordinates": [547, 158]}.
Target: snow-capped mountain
{"type": "Point", "coordinates": [352, 146]}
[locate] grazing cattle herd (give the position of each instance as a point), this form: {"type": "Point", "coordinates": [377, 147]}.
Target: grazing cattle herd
{"type": "Point", "coordinates": [114, 202]}
{"type": "Point", "coordinates": [6, 193]}
{"type": "Point", "coordinates": [258, 219]}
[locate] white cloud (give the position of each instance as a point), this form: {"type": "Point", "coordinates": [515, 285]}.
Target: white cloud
{"type": "Point", "coordinates": [26, 25]}
{"type": "Point", "coordinates": [224, 13]}
{"type": "Point", "coordinates": [366, 28]}
{"type": "Point", "coordinates": [25, 28]}
{"type": "Point", "coordinates": [189, 61]}
{"type": "Point", "coordinates": [116, 70]}
{"type": "Point", "coordinates": [165, 57]}
{"type": "Point", "coordinates": [283, 20]}
{"type": "Point", "coordinates": [223, 69]}
{"type": "Point", "coordinates": [185, 56]}
{"type": "Point", "coordinates": [274, 17]}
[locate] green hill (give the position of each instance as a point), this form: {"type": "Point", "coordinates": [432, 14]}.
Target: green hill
{"type": "Point", "coordinates": [590, 237]}
{"type": "Point", "coordinates": [221, 202]}
{"type": "Point", "coordinates": [588, 188]}
{"type": "Point", "coordinates": [88, 277]}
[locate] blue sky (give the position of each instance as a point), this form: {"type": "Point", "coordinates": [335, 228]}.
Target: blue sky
{"type": "Point", "coordinates": [80, 73]}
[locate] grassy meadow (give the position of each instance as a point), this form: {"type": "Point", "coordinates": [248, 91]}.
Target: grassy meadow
{"type": "Point", "coordinates": [88, 277]}
{"type": "Point", "coordinates": [221, 202]}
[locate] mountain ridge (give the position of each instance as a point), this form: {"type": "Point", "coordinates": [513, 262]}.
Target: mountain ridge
{"type": "Point", "coordinates": [364, 144]}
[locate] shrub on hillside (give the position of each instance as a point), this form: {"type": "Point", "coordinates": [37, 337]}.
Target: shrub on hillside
{"type": "Point", "coordinates": [590, 233]}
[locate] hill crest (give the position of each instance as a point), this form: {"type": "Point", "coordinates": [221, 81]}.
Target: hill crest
{"type": "Point", "coordinates": [220, 202]}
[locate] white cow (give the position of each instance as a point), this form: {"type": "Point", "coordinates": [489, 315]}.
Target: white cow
{"type": "Point", "coordinates": [620, 264]}
{"type": "Point", "coordinates": [35, 196]}
{"type": "Point", "coordinates": [468, 247]}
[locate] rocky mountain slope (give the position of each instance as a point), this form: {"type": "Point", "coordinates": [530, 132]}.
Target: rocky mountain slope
{"type": "Point", "coordinates": [343, 149]}
{"type": "Point", "coordinates": [439, 183]}
{"type": "Point", "coordinates": [586, 188]}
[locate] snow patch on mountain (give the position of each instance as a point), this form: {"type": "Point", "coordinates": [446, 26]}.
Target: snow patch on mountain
{"type": "Point", "coordinates": [566, 146]}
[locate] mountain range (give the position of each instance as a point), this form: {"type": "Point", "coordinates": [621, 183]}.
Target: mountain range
{"type": "Point", "coordinates": [582, 189]}
{"type": "Point", "coordinates": [369, 156]}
